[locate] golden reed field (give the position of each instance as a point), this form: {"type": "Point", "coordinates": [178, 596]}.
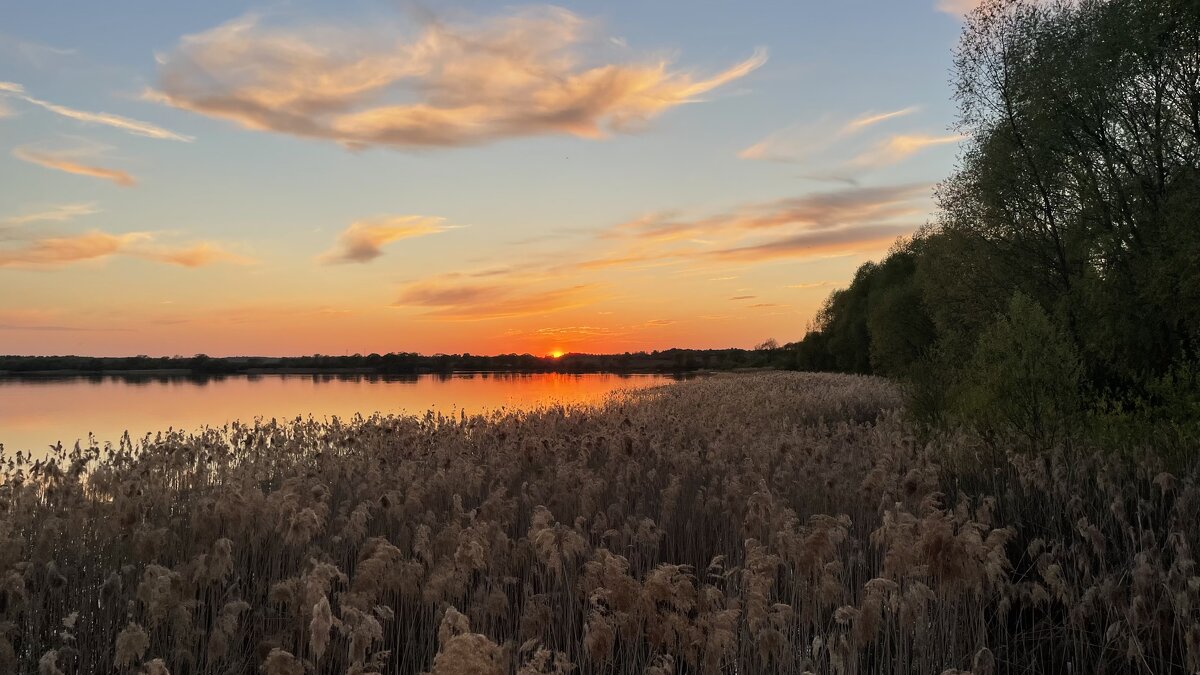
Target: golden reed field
{"type": "Point", "coordinates": [775, 523]}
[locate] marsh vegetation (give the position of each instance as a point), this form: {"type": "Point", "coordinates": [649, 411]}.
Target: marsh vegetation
{"type": "Point", "coordinates": [756, 523]}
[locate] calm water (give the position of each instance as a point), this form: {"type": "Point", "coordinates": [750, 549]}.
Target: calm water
{"type": "Point", "coordinates": [35, 413]}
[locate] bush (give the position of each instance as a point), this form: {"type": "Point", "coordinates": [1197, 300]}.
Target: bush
{"type": "Point", "coordinates": [1164, 420]}
{"type": "Point", "coordinates": [1024, 375]}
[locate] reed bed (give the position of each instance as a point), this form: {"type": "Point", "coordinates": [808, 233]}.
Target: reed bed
{"type": "Point", "coordinates": [774, 523]}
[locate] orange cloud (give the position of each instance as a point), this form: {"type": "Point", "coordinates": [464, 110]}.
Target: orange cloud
{"type": "Point", "coordinates": [902, 146]}
{"type": "Point", "coordinates": [479, 302]}
{"type": "Point", "coordinates": [55, 251]}
{"type": "Point", "coordinates": [51, 161]}
{"type": "Point", "coordinates": [957, 7]}
{"type": "Point", "coordinates": [828, 223]}
{"type": "Point", "coordinates": [197, 255]}
{"type": "Point", "coordinates": [519, 75]}
{"type": "Point", "coordinates": [871, 119]}
{"type": "Point", "coordinates": [961, 7]}
{"type": "Point", "coordinates": [668, 238]}
{"type": "Point", "coordinates": [60, 250]}
{"type": "Point", "coordinates": [363, 240]}
{"type": "Point", "coordinates": [817, 210]}
{"type": "Point", "coordinates": [126, 124]}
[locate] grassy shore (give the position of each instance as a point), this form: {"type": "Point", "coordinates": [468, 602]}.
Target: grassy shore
{"type": "Point", "coordinates": [765, 523]}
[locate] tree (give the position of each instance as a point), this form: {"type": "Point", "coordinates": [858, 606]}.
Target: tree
{"type": "Point", "coordinates": [770, 344]}
{"type": "Point", "coordinates": [1078, 192]}
{"type": "Point", "coordinates": [1081, 183]}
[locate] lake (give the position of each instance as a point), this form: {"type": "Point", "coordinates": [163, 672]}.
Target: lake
{"type": "Point", "coordinates": [37, 412]}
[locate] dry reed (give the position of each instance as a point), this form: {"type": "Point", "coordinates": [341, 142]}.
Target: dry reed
{"type": "Point", "coordinates": [776, 523]}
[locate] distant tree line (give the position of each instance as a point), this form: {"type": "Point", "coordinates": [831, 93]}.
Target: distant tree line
{"type": "Point", "coordinates": [767, 355]}
{"type": "Point", "coordinates": [1062, 273]}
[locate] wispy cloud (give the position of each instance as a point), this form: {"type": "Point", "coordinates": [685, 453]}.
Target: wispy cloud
{"type": "Point", "coordinates": [816, 210]}
{"type": "Point", "coordinates": [61, 250]}
{"type": "Point", "coordinates": [57, 214]}
{"type": "Point", "coordinates": [817, 224]}
{"type": "Point", "coordinates": [573, 331]}
{"type": "Point", "coordinates": [902, 146]}
{"type": "Point", "coordinates": [959, 8]}
{"type": "Point", "coordinates": [363, 240]}
{"type": "Point", "coordinates": [125, 124]}
{"type": "Point", "coordinates": [800, 142]}
{"type": "Point", "coordinates": [62, 162]}
{"type": "Point", "coordinates": [58, 251]}
{"type": "Point", "coordinates": [197, 255]}
{"type": "Point", "coordinates": [871, 119]}
{"type": "Point", "coordinates": [782, 228]}
{"type": "Point", "coordinates": [589, 337]}
{"type": "Point", "coordinates": [45, 320]}
{"type": "Point", "coordinates": [35, 53]}
{"type": "Point", "coordinates": [62, 328]}
{"type": "Point", "coordinates": [524, 74]}
{"type": "Point", "coordinates": [956, 7]}
{"type": "Point", "coordinates": [503, 299]}
{"type": "Point", "coordinates": [840, 241]}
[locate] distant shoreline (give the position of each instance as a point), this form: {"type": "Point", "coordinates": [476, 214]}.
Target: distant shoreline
{"type": "Point", "coordinates": [177, 372]}
{"type": "Point", "coordinates": [401, 364]}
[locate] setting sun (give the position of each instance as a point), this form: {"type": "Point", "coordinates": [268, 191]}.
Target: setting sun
{"type": "Point", "coordinates": [556, 354]}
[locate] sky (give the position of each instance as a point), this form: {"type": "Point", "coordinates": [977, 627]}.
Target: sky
{"type": "Point", "coordinates": [294, 177]}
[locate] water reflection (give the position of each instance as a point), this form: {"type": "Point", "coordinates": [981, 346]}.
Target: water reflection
{"type": "Point", "coordinates": [36, 412]}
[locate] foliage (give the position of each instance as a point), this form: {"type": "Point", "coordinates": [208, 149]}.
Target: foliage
{"type": "Point", "coordinates": [1079, 189]}
{"type": "Point", "coordinates": [1024, 375]}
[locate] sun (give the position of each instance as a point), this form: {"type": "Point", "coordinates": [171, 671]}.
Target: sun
{"type": "Point", "coordinates": [557, 354]}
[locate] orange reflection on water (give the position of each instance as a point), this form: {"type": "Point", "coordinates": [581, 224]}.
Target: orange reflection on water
{"type": "Point", "coordinates": [35, 413]}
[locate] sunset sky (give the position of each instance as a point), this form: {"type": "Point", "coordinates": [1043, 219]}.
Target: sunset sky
{"type": "Point", "coordinates": [295, 177]}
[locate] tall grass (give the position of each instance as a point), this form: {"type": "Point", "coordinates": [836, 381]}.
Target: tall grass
{"type": "Point", "coordinates": [777, 523]}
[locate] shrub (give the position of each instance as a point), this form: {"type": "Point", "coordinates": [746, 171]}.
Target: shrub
{"type": "Point", "coordinates": [1024, 375]}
